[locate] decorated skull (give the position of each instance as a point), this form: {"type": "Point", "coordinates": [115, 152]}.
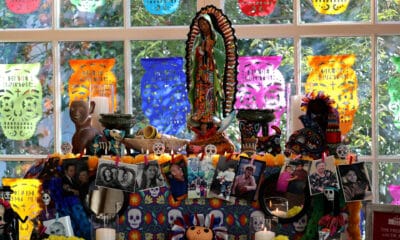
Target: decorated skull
{"type": "Point", "coordinates": [342, 151]}
{"type": "Point", "coordinates": [301, 224]}
{"type": "Point", "coordinates": [57, 228]}
{"type": "Point", "coordinates": [46, 198]}
{"type": "Point", "coordinates": [154, 192]}
{"type": "Point", "coordinates": [134, 218]}
{"type": "Point", "coordinates": [329, 193]}
{"type": "Point", "coordinates": [158, 148]}
{"type": "Point", "coordinates": [257, 221]}
{"type": "Point", "coordinates": [210, 150]}
{"type": "Point", "coordinates": [174, 214]}
{"type": "Point", "coordinates": [20, 100]}
{"type": "Point", "coordinates": [88, 5]}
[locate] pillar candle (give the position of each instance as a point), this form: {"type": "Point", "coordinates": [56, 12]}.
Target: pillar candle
{"type": "Point", "coordinates": [102, 106]}
{"type": "Point", "coordinates": [105, 234]}
{"type": "Point", "coordinates": [264, 235]}
{"type": "Point", "coordinates": [295, 113]}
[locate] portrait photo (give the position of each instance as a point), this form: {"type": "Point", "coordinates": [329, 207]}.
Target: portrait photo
{"type": "Point", "coordinates": [224, 175]}
{"type": "Point", "coordinates": [293, 177]}
{"type": "Point", "coordinates": [75, 176]}
{"type": "Point", "coordinates": [200, 173]}
{"type": "Point", "coordinates": [121, 176]}
{"type": "Point", "coordinates": [176, 177]}
{"type": "Point", "coordinates": [355, 182]}
{"type": "Point", "coordinates": [323, 174]}
{"type": "Point", "coordinates": [247, 178]}
{"type": "Point", "coordinates": [149, 176]}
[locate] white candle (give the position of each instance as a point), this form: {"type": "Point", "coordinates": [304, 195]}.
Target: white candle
{"type": "Point", "coordinates": [295, 113]}
{"type": "Point", "coordinates": [264, 235]}
{"type": "Point", "coordinates": [105, 234]}
{"type": "Point", "coordinates": [102, 106]}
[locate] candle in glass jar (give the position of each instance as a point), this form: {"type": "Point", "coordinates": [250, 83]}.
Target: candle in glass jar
{"type": "Point", "coordinates": [279, 213]}
{"type": "Point", "coordinates": [105, 234]}
{"type": "Point", "coordinates": [264, 235]}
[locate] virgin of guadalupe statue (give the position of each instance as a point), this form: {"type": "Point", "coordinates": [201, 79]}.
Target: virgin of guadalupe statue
{"type": "Point", "coordinates": [210, 55]}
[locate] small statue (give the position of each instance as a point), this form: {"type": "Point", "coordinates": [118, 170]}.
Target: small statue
{"type": "Point", "coordinates": [80, 114]}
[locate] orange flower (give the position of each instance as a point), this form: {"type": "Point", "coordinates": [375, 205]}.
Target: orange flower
{"type": "Point", "coordinates": [148, 218]}
{"type": "Point", "coordinates": [134, 235]}
{"type": "Point", "coordinates": [135, 199]}
{"type": "Point", "coordinates": [161, 218]}
{"type": "Point", "coordinates": [215, 203]}
{"type": "Point", "coordinates": [92, 162]}
{"type": "Point", "coordinates": [230, 219]}
{"type": "Point", "coordinates": [243, 220]}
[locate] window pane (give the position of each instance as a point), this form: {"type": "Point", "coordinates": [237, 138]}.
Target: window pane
{"type": "Point", "coordinates": [140, 15]}
{"type": "Point", "coordinates": [388, 10]}
{"type": "Point", "coordinates": [388, 174]}
{"type": "Point", "coordinates": [388, 95]}
{"type": "Point", "coordinates": [82, 13]}
{"type": "Point", "coordinates": [282, 13]}
{"type": "Point", "coordinates": [340, 11]}
{"type": "Point", "coordinates": [89, 50]}
{"type": "Point", "coordinates": [18, 123]}
{"type": "Point", "coordinates": [26, 14]}
{"type": "Point", "coordinates": [14, 169]}
{"type": "Point", "coordinates": [359, 137]}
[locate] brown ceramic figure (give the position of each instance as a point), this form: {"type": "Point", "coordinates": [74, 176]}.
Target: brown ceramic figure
{"type": "Point", "coordinates": [79, 112]}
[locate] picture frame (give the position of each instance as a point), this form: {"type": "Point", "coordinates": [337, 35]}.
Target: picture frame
{"type": "Point", "coordinates": [111, 175]}
{"type": "Point", "coordinates": [59, 226]}
{"type": "Point", "coordinates": [382, 221]}
{"type": "Point", "coordinates": [355, 182]}
{"type": "Point", "coordinates": [330, 176]}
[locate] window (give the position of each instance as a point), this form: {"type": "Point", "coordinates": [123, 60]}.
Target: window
{"type": "Point", "coordinates": [53, 32]}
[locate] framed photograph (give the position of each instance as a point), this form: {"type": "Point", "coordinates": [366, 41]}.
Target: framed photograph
{"type": "Point", "coordinates": [200, 175]}
{"type": "Point", "coordinates": [59, 226]}
{"type": "Point", "coordinates": [323, 174]}
{"type": "Point", "coordinates": [177, 179]}
{"type": "Point", "coordinates": [224, 176]}
{"type": "Point", "coordinates": [72, 170]}
{"type": "Point", "coordinates": [293, 177]}
{"type": "Point", "coordinates": [149, 175]}
{"type": "Point", "coordinates": [382, 222]}
{"type": "Point", "coordinates": [122, 176]}
{"type": "Point", "coordinates": [355, 182]}
{"type": "Point", "coordinates": [247, 178]}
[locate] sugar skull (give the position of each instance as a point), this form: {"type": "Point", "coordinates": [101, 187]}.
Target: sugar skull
{"type": "Point", "coordinates": [257, 221]}
{"type": "Point", "coordinates": [88, 5]}
{"type": "Point", "coordinates": [158, 148]}
{"type": "Point", "coordinates": [46, 198]}
{"type": "Point", "coordinates": [20, 100]}
{"type": "Point", "coordinates": [173, 215]}
{"type": "Point", "coordinates": [210, 150]}
{"type": "Point", "coordinates": [57, 228]}
{"type": "Point", "coordinates": [301, 224]}
{"type": "Point", "coordinates": [329, 193]}
{"type": "Point", "coordinates": [333, 75]}
{"type": "Point", "coordinates": [134, 218]}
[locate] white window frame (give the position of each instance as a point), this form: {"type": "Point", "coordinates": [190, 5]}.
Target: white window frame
{"type": "Point", "coordinates": [296, 30]}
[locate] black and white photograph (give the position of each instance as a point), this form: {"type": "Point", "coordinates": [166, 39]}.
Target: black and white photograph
{"type": "Point", "coordinates": [355, 182]}
{"type": "Point", "coordinates": [323, 174]}
{"type": "Point", "coordinates": [247, 178]}
{"type": "Point", "coordinates": [122, 176]}
{"type": "Point", "coordinates": [59, 226]}
{"type": "Point", "coordinates": [149, 176]}
{"type": "Point", "coordinates": [221, 186]}
{"type": "Point", "coordinates": [75, 176]}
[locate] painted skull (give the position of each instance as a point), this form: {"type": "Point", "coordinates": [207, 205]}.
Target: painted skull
{"type": "Point", "coordinates": [158, 148]}
{"type": "Point", "coordinates": [46, 198]}
{"type": "Point", "coordinates": [88, 5]}
{"type": "Point", "coordinates": [134, 218]}
{"type": "Point", "coordinates": [329, 193]}
{"type": "Point", "coordinates": [57, 228]}
{"type": "Point", "coordinates": [342, 151]}
{"type": "Point", "coordinates": [174, 214]}
{"type": "Point", "coordinates": [301, 224]}
{"type": "Point", "coordinates": [257, 221]}
{"type": "Point", "coordinates": [154, 192]}
{"type": "Point", "coordinates": [210, 150]}
{"type": "Point", "coordinates": [334, 75]}
{"type": "Point", "coordinates": [20, 100]}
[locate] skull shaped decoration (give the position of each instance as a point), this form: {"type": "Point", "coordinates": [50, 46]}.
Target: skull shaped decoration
{"type": "Point", "coordinates": [46, 198]}
{"type": "Point", "coordinates": [301, 224]}
{"type": "Point", "coordinates": [173, 215]}
{"type": "Point", "coordinates": [329, 193]}
{"type": "Point", "coordinates": [134, 218]}
{"type": "Point", "coordinates": [88, 5]}
{"type": "Point", "coordinates": [20, 100]}
{"type": "Point", "coordinates": [158, 148]}
{"type": "Point", "coordinates": [210, 150]}
{"type": "Point", "coordinates": [334, 75]}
